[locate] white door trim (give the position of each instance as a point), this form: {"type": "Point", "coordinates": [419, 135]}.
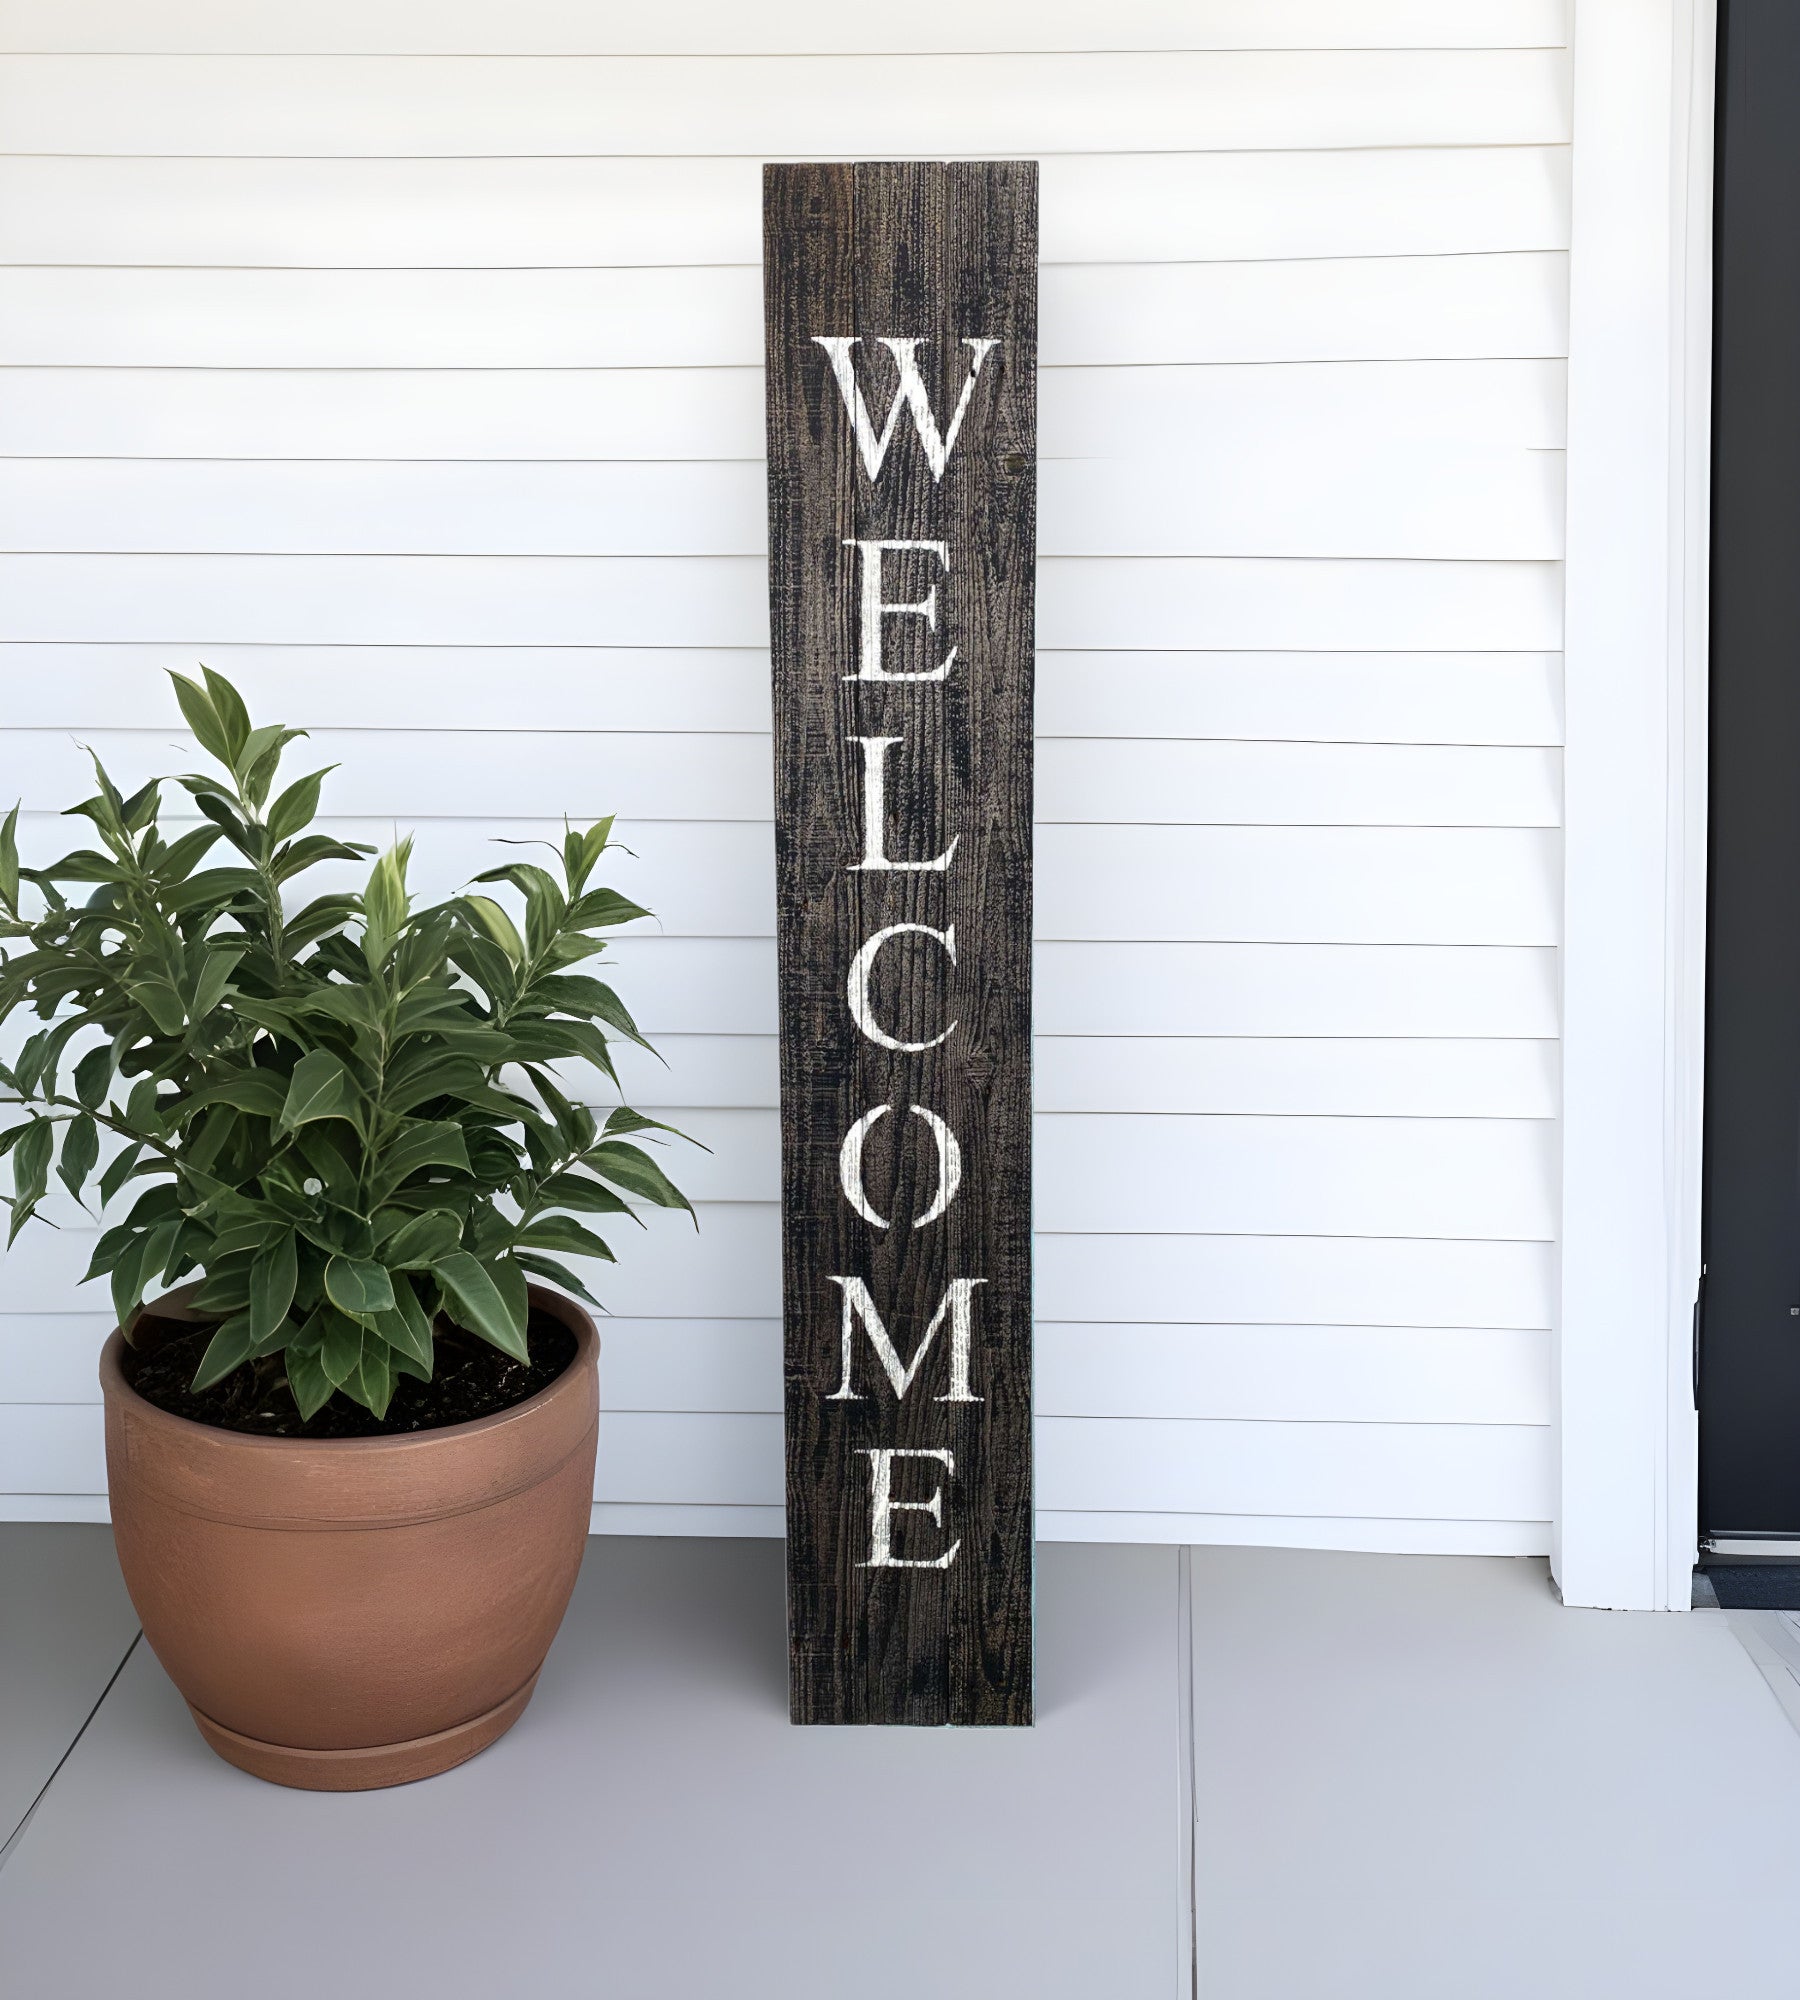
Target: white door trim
{"type": "Point", "coordinates": [1640, 312]}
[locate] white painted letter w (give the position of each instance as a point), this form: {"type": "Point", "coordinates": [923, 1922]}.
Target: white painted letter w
{"type": "Point", "coordinates": [911, 393]}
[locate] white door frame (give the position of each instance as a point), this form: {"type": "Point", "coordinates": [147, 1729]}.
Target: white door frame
{"type": "Point", "coordinates": [1634, 880]}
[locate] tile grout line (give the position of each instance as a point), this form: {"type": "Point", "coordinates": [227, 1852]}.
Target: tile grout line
{"type": "Point", "coordinates": [18, 1831]}
{"type": "Point", "coordinates": [1188, 1975]}
{"type": "Point", "coordinates": [1772, 1640]}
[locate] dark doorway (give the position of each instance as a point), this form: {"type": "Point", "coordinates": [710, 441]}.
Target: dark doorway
{"type": "Point", "coordinates": [1750, 1329]}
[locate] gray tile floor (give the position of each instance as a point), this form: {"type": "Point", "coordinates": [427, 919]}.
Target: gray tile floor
{"type": "Point", "coordinates": [1412, 1778]}
{"type": "Point", "coordinates": [1421, 1778]}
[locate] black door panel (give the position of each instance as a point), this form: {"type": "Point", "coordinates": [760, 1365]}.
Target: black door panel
{"type": "Point", "coordinates": [1750, 1353]}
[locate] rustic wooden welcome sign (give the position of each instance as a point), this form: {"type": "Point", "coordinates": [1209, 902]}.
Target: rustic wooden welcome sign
{"type": "Point", "coordinates": [901, 305]}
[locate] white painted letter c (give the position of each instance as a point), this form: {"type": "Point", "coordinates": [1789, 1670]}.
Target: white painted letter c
{"type": "Point", "coordinates": [857, 987]}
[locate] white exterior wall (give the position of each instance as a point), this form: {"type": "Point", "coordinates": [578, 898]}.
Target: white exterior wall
{"type": "Point", "coordinates": [401, 360]}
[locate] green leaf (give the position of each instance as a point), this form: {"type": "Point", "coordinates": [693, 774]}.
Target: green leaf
{"type": "Point", "coordinates": [354, 1005]}
{"type": "Point", "coordinates": [211, 885]}
{"type": "Point", "coordinates": [81, 1149]}
{"type": "Point", "coordinates": [421, 1240]}
{"type": "Point", "coordinates": [333, 1155]}
{"type": "Point", "coordinates": [372, 1382]}
{"type": "Point", "coordinates": [107, 1251]}
{"type": "Point", "coordinates": [429, 1143]}
{"type": "Point", "coordinates": [336, 1233]}
{"type": "Point", "coordinates": [202, 717]}
{"type": "Point", "coordinates": [497, 925]}
{"type": "Point", "coordinates": [174, 862]}
{"type": "Point", "coordinates": [544, 904]}
{"type": "Point", "coordinates": [226, 1286]}
{"type": "Point", "coordinates": [259, 1091]}
{"type": "Point", "coordinates": [138, 1264]}
{"type": "Point", "coordinates": [485, 963]}
{"type": "Point", "coordinates": [161, 1002]}
{"type": "Point", "coordinates": [432, 1008]}
{"type": "Point", "coordinates": [576, 1128]}
{"type": "Point", "coordinates": [216, 968]}
{"type": "Point", "coordinates": [574, 859]}
{"type": "Point", "coordinates": [28, 1062]}
{"type": "Point", "coordinates": [207, 1138]}
{"type": "Point", "coordinates": [38, 1059]}
{"type": "Point", "coordinates": [522, 875]}
{"type": "Point", "coordinates": [306, 1374]}
{"type": "Point", "coordinates": [238, 1237]}
{"type": "Point", "coordinates": [193, 1240]}
{"type": "Point", "coordinates": [406, 1326]}
{"type": "Point", "coordinates": [563, 1232]}
{"type": "Point", "coordinates": [92, 1074]}
{"type": "Point", "coordinates": [358, 1285]}
{"type": "Point", "coordinates": [82, 866]}
{"type": "Point", "coordinates": [216, 803]}
{"type": "Point", "coordinates": [300, 855]}
{"type": "Point", "coordinates": [31, 1172]}
{"type": "Point", "coordinates": [321, 1088]}
{"type": "Point", "coordinates": [473, 1038]}
{"type": "Point", "coordinates": [320, 917]}
{"type": "Point", "coordinates": [158, 1204]}
{"type": "Point", "coordinates": [558, 1274]}
{"type": "Point", "coordinates": [434, 1073]}
{"type": "Point", "coordinates": [631, 1168]}
{"type": "Point", "coordinates": [118, 1172]}
{"type": "Point", "coordinates": [588, 1197]}
{"type": "Point", "coordinates": [604, 907]}
{"type": "Point", "coordinates": [626, 1120]}
{"type": "Point", "coordinates": [143, 1108]}
{"type": "Point", "coordinates": [385, 903]}
{"type": "Point", "coordinates": [540, 1041]}
{"type": "Point", "coordinates": [582, 852]}
{"type": "Point", "coordinates": [340, 1345]}
{"type": "Point", "coordinates": [139, 811]}
{"type": "Point", "coordinates": [229, 1348]}
{"type": "Point", "coordinates": [480, 1304]}
{"type": "Point", "coordinates": [258, 760]}
{"type": "Point", "coordinates": [228, 706]}
{"type": "Point", "coordinates": [9, 862]}
{"type": "Point", "coordinates": [297, 806]}
{"type": "Point", "coordinates": [273, 1278]}
{"type": "Point", "coordinates": [576, 992]}
{"type": "Point", "coordinates": [509, 1282]}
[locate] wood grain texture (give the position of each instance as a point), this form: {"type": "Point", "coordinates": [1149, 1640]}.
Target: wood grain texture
{"type": "Point", "coordinates": [944, 253]}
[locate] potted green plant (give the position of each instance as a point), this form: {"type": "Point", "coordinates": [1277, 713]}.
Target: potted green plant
{"type": "Point", "coordinates": [350, 1440]}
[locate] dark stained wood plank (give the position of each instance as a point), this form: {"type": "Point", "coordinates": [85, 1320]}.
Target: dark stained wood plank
{"type": "Point", "coordinates": [944, 255]}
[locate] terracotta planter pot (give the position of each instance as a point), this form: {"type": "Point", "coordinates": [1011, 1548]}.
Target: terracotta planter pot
{"type": "Point", "coordinates": [346, 1613]}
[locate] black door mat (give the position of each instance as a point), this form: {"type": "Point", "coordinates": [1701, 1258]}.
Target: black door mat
{"type": "Point", "coordinates": [1758, 1586]}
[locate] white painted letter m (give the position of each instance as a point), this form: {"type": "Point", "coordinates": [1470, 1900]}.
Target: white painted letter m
{"type": "Point", "coordinates": [954, 1306]}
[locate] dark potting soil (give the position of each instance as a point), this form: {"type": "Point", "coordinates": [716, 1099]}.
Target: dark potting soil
{"type": "Point", "coordinates": [470, 1379]}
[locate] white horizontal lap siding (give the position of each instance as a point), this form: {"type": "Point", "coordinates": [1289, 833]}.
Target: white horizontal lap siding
{"type": "Point", "coordinates": [796, 27]}
{"type": "Point", "coordinates": [404, 363]}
